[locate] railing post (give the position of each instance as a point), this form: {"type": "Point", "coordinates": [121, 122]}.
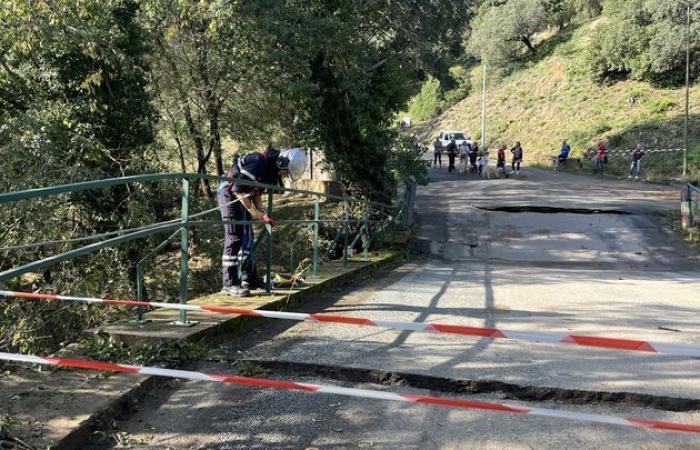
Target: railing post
{"type": "Point", "coordinates": [365, 251]}
{"type": "Point", "coordinates": [381, 245]}
{"type": "Point", "coordinates": [184, 248]}
{"type": "Point", "coordinates": [292, 257]}
{"type": "Point", "coordinates": [139, 291]}
{"type": "Point", "coordinates": [346, 226]}
{"type": "Point", "coordinates": [268, 262]}
{"type": "Point", "coordinates": [317, 214]}
{"type": "Point", "coordinates": [690, 205]}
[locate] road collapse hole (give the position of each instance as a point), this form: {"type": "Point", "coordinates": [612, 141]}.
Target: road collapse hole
{"type": "Point", "coordinates": [552, 210]}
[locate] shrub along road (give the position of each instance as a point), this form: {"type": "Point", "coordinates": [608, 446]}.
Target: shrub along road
{"type": "Point", "coordinates": [542, 252]}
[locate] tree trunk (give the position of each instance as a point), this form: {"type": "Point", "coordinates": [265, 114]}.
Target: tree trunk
{"type": "Point", "coordinates": [181, 154]}
{"type": "Point", "coordinates": [526, 40]}
{"type": "Point", "coordinates": [192, 129]}
{"type": "Point", "coordinates": [212, 106]}
{"type": "Point", "coordinates": [204, 185]}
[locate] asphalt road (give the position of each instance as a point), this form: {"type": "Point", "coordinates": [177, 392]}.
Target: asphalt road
{"type": "Point", "coordinates": [525, 253]}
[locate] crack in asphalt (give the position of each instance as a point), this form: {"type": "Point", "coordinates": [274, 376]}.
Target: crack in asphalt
{"type": "Point", "coordinates": [552, 210]}
{"type": "Point", "coordinates": [510, 391]}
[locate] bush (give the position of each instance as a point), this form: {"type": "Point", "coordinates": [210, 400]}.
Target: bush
{"type": "Point", "coordinates": [660, 105]}
{"type": "Point", "coordinates": [427, 104]}
{"type": "Point", "coordinates": [641, 39]}
{"type": "Point", "coordinates": [431, 101]}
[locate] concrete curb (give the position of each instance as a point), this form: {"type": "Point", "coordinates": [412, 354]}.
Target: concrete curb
{"type": "Point", "coordinates": [233, 326]}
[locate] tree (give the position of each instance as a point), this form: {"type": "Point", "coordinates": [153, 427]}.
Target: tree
{"type": "Point", "coordinates": [559, 12]}
{"type": "Point", "coordinates": [367, 60]}
{"type": "Point", "coordinates": [80, 110]}
{"type": "Point", "coordinates": [74, 105]}
{"type": "Point", "coordinates": [589, 8]}
{"type": "Point", "coordinates": [643, 39]}
{"type": "Point", "coordinates": [621, 43]}
{"type": "Point", "coordinates": [226, 69]}
{"type": "Point", "coordinates": [499, 32]}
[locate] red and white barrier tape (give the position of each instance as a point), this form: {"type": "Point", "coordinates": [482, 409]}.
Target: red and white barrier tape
{"type": "Point", "coordinates": [491, 333]}
{"type": "Point", "coordinates": [352, 392]}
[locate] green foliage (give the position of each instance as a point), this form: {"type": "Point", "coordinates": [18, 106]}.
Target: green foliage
{"type": "Point", "coordinates": [172, 353]}
{"type": "Point", "coordinates": [500, 34]}
{"type": "Point", "coordinates": [250, 369]}
{"type": "Point", "coordinates": [405, 160]}
{"type": "Point", "coordinates": [660, 105]}
{"type": "Point", "coordinates": [43, 327]}
{"type": "Point", "coordinates": [428, 103]}
{"type": "Point", "coordinates": [559, 12]}
{"type": "Point", "coordinates": [644, 39]}
{"type": "Point", "coordinates": [588, 8]}
{"type": "Point", "coordinates": [432, 100]}
{"type": "Point", "coordinates": [621, 43]}
{"type": "Point", "coordinates": [365, 80]}
{"type": "Point", "coordinates": [77, 107]}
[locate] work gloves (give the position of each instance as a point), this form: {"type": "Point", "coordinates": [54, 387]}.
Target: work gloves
{"type": "Point", "coordinates": [269, 220]}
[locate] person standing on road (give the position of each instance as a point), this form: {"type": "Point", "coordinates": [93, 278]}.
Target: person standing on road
{"type": "Point", "coordinates": [483, 159]}
{"type": "Point", "coordinates": [464, 149]}
{"type": "Point", "coordinates": [601, 158]}
{"type": "Point", "coordinates": [452, 154]}
{"type": "Point", "coordinates": [437, 152]}
{"type": "Point", "coordinates": [473, 155]}
{"type": "Point", "coordinates": [517, 152]}
{"type": "Point", "coordinates": [240, 202]}
{"type": "Point", "coordinates": [501, 162]}
{"type": "Point", "coordinates": [636, 165]}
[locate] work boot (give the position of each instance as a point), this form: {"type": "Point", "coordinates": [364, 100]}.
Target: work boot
{"type": "Point", "coordinates": [244, 290]}
{"type": "Point", "coordinates": [235, 291]}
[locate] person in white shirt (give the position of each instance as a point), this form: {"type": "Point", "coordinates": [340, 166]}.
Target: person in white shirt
{"type": "Point", "coordinates": [483, 159]}
{"type": "Point", "coordinates": [463, 156]}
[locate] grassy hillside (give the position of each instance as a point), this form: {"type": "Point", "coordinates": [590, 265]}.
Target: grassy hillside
{"type": "Point", "coordinates": [553, 97]}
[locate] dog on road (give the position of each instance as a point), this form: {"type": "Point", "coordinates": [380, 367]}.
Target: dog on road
{"type": "Point", "coordinates": [489, 171]}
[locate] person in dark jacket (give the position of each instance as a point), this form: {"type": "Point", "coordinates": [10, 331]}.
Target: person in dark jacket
{"type": "Point", "coordinates": [452, 152]}
{"type": "Point", "coordinates": [473, 155]}
{"type": "Point", "coordinates": [517, 152]}
{"type": "Point", "coordinates": [636, 165]}
{"type": "Point", "coordinates": [242, 202]}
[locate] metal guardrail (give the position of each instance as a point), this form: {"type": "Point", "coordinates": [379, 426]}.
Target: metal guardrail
{"type": "Point", "coordinates": [389, 215]}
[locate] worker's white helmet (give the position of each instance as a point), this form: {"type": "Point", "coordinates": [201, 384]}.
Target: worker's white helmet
{"type": "Point", "coordinates": [294, 161]}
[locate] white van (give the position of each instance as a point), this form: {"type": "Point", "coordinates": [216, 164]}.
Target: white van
{"type": "Point", "coordinates": [459, 137]}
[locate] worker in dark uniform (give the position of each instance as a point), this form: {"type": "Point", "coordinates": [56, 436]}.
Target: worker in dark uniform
{"type": "Point", "coordinates": [240, 202]}
{"type": "Point", "coordinates": [452, 152]}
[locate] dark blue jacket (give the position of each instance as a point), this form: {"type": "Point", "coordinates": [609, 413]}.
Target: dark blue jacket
{"type": "Point", "coordinates": [565, 151]}
{"type": "Point", "coordinates": [259, 167]}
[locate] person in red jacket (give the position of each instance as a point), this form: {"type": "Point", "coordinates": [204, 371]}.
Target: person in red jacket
{"type": "Point", "coordinates": [501, 162]}
{"type": "Point", "coordinates": [601, 157]}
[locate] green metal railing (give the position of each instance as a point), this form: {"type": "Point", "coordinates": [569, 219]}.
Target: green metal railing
{"type": "Point", "coordinates": [386, 215]}
{"type": "Point", "coordinates": [693, 199]}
